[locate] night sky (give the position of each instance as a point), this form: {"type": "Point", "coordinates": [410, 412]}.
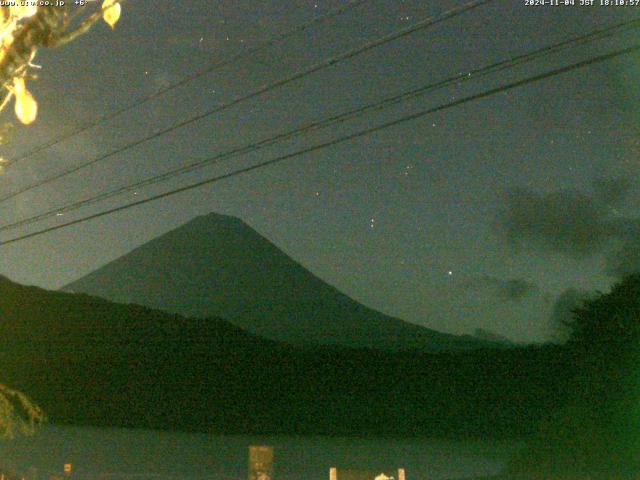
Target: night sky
{"type": "Point", "coordinates": [479, 216]}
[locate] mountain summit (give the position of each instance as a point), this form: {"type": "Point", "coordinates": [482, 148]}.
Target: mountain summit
{"type": "Point", "coordinates": [216, 265]}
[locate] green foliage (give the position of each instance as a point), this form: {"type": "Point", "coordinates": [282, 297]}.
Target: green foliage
{"type": "Point", "coordinates": [24, 29]}
{"type": "Point", "coordinates": [89, 361]}
{"type": "Point", "coordinates": [18, 415]}
{"type": "Point", "coordinates": [595, 430]}
{"type": "Point", "coordinates": [611, 320]}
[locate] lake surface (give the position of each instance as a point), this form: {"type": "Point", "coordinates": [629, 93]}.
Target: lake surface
{"type": "Point", "coordinates": [98, 453]}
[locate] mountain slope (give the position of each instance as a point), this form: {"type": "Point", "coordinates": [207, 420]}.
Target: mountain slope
{"type": "Point", "coordinates": [489, 336]}
{"type": "Point", "coordinates": [216, 265]}
{"type": "Point", "coordinates": [85, 360]}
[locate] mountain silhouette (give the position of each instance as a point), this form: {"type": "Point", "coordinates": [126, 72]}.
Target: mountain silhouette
{"type": "Point", "coordinates": [216, 265]}
{"type": "Point", "coordinates": [489, 336]}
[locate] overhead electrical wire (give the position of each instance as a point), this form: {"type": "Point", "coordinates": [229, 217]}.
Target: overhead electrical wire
{"type": "Point", "coordinates": [189, 78]}
{"type": "Point", "coordinates": [336, 119]}
{"type": "Point", "coordinates": [336, 141]}
{"type": "Point", "coordinates": [421, 25]}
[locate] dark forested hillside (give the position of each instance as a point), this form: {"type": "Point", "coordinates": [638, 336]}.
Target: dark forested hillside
{"type": "Point", "coordinates": [89, 361]}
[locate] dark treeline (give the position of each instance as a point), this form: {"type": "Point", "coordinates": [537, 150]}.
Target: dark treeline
{"type": "Point", "coordinates": [91, 362]}
{"type": "Point", "coordinates": [87, 361]}
{"type": "Point", "coordinates": [593, 432]}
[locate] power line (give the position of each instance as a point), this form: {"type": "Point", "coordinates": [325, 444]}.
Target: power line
{"type": "Point", "coordinates": [189, 78]}
{"type": "Point", "coordinates": [336, 119]}
{"type": "Point", "coordinates": [336, 141]}
{"type": "Point", "coordinates": [272, 86]}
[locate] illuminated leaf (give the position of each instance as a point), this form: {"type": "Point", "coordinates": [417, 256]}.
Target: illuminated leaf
{"type": "Point", "coordinates": [7, 40]}
{"type": "Point", "coordinates": [23, 12]}
{"type": "Point", "coordinates": [26, 107]}
{"type": "Point", "coordinates": [111, 12]}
